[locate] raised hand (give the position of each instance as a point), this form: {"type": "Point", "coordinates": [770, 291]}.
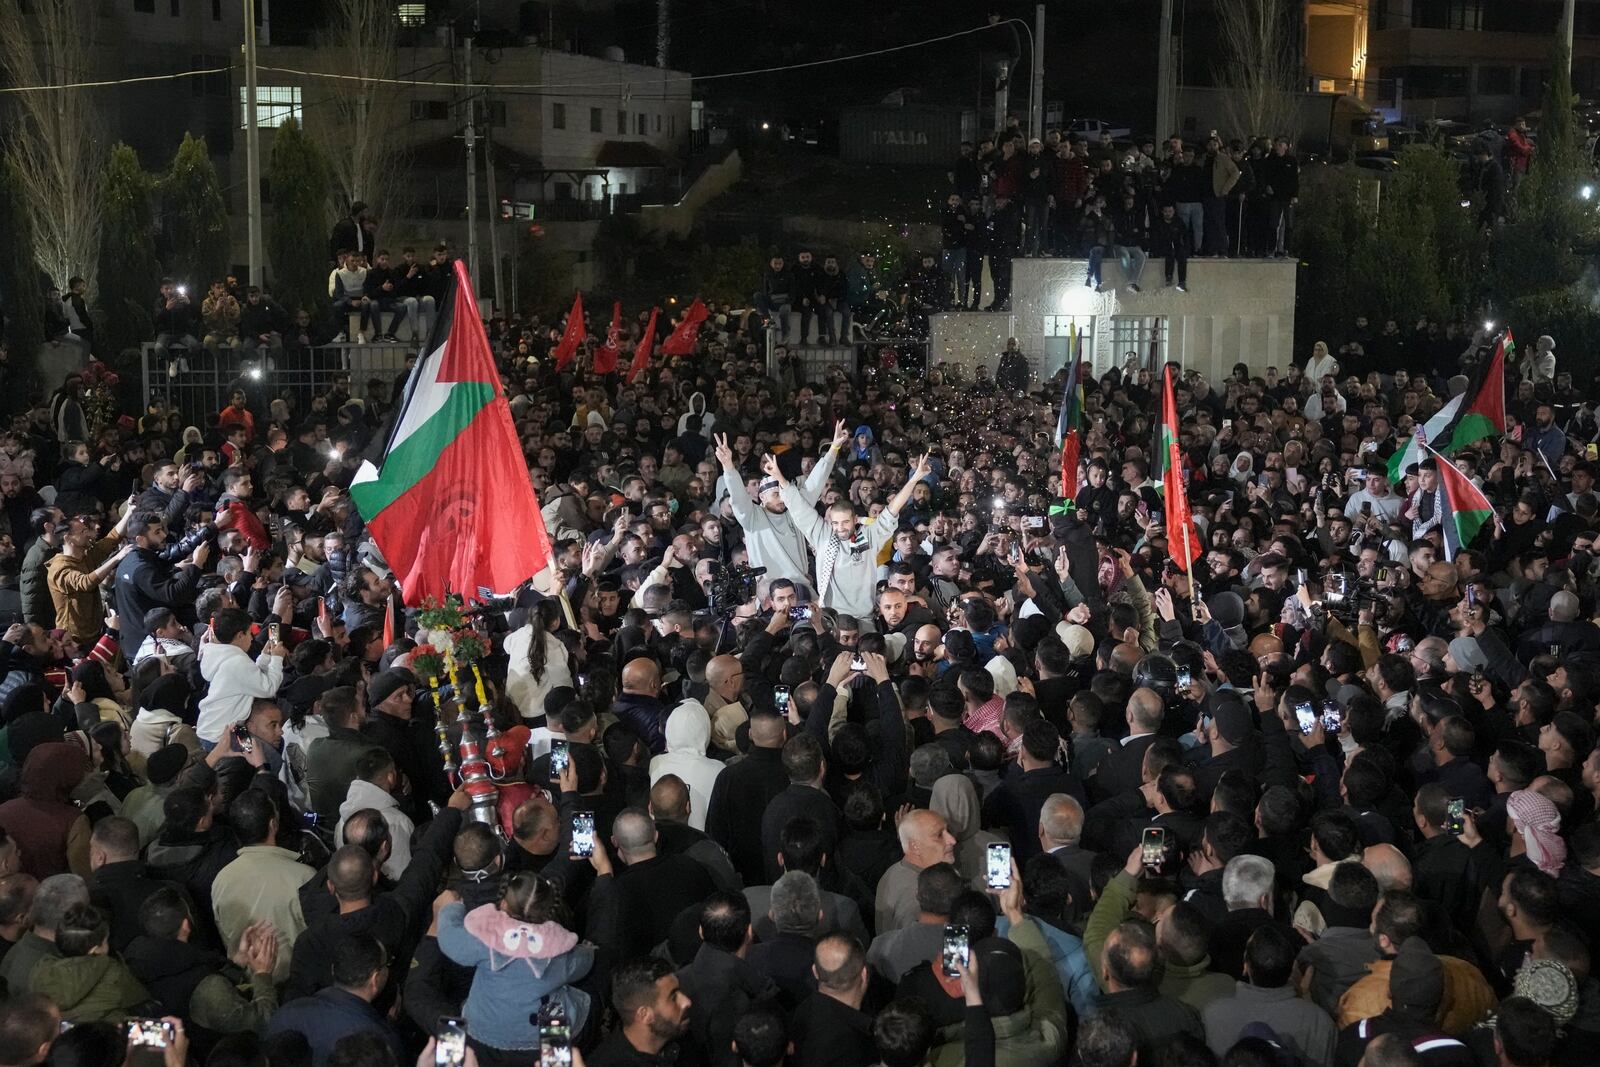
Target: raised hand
{"type": "Point", "coordinates": [841, 434]}
{"type": "Point", "coordinates": [724, 453]}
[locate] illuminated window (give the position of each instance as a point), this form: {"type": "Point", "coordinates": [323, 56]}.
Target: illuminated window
{"type": "Point", "coordinates": [274, 104]}
{"type": "Point", "coordinates": [411, 14]}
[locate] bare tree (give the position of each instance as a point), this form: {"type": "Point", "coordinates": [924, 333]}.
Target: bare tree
{"type": "Point", "coordinates": [361, 133]}
{"type": "Point", "coordinates": [55, 142]}
{"type": "Point", "coordinates": [1260, 68]}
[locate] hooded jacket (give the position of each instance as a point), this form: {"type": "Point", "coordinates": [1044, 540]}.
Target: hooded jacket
{"type": "Point", "coordinates": [364, 794]}
{"type": "Point", "coordinates": [235, 681]}
{"type": "Point", "coordinates": [52, 832]}
{"type": "Point", "coordinates": [527, 692]}
{"type": "Point", "coordinates": [193, 983]}
{"type": "Point", "coordinates": [1036, 1035]}
{"type": "Point", "coordinates": [518, 967]}
{"type": "Point", "coordinates": [90, 988]}
{"type": "Point", "coordinates": [956, 798]}
{"type": "Point", "coordinates": [697, 420]}
{"type": "Point", "coordinates": [688, 734]}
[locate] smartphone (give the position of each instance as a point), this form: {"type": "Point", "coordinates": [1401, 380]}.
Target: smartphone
{"type": "Point", "coordinates": [1455, 822]}
{"type": "Point", "coordinates": [560, 756]}
{"type": "Point", "coordinates": [1472, 596]}
{"type": "Point", "coordinates": [583, 834]}
{"type": "Point", "coordinates": [1366, 507]}
{"type": "Point", "coordinates": [1300, 576]}
{"type": "Point", "coordinates": [241, 735]}
{"type": "Point", "coordinates": [1332, 717]}
{"type": "Point", "coordinates": [1185, 677]}
{"type": "Point", "coordinates": [273, 630]}
{"type": "Point", "coordinates": [1033, 522]}
{"type": "Point", "coordinates": [857, 663]}
{"type": "Point", "coordinates": [1153, 849]}
{"type": "Point", "coordinates": [150, 1033]}
{"type": "Point", "coordinates": [1306, 717]}
{"type": "Point", "coordinates": [450, 1042]}
{"type": "Point", "coordinates": [1382, 574]}
{"type": "Point", "coordinates": [135, 490]}
{"type": "Point", "coordinates": [800, 613]}
{"type": "Point", "coordinates": [999, 867]}
{"type": "Point", "coordinates": [956, 950]}
{"type": "Point", "coordinates": [780, 698]}
{"type": "Point", "coordinates": [1555, 650]}
{"type": "Point", "coordinates": [555, 1038]}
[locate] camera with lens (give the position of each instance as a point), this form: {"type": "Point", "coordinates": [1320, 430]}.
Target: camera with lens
{"type": "Point", "coordinates": [732, 586]}
{"type": "Point", "coordinates": [1344, 593]}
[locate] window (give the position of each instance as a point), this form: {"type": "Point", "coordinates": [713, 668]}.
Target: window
{"type": "Point", "coordinates": [411, 14]}
{"type": "Point", "coordinates": [558, 116]}
{"type": "Point", "coordinates": [622, 122]}
{"type": "Point", "coordinates": [1058, 331]}
{"type": "Point", "coordinates": [1138, 334]}
{"type": "Point", "coordinates": [1497, 81]}
{"type": "Point", "coordinates": [1447, 15]}
{"type": "Point", "coordinates": [597, 120]}
{"type": "Point", "coordinates": [563, 190]}
{"type": "Point", "coordinates": [145, 7]}
{"type": "Point", "coordinates": [274, 104]}
{"type": "Point", "coordinates": [658, 122]}
{"type": "Point", "coordinates": [672, 125]}
{"type": "Point", "coordinates": [216, 10]}
{"type": "Point", "coordinates": [429, 110]}
{"type": "Point", "coordinates": [175, 11]}
{"type": "Point", "coordinates": [697, 115]}
{"type": "Point", "coordinates": [640, 128]}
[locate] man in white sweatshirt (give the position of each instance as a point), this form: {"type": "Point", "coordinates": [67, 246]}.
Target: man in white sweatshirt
{"type": "Point", "coordinates": [770, 535]}
{"type": "Point", "coordinates": [233, 679]}
{"type": "Point", "coordinates": [847, 551]}
{"type": "Point", "coordinates": [376, 780]}
{"type": "Point", "coordinates": [688, 732]}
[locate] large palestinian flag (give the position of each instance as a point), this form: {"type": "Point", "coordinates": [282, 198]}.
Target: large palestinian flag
{"type": "Point", "coordinates": [1464, 508]}
{"type": "Point", "coordinates": [1478, 412]}
{"type": "Point", "coordinates": [449, 501]}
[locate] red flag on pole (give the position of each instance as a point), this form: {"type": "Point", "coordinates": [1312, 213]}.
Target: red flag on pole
{"type": "Point", "coordinates": [1183, 542]}
{"type": "Point", "coordinates": [388, 621]}
{"type": "Point", "coordinates": [681, 341]}
{"type": "Point", "coordinates": [573, 336]}
{"type": "Point", "coordinates": [605, 357]}
{"type": "Point", "coordinates": [641, 354]}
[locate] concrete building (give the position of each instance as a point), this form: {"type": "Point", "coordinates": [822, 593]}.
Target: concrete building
{"type": "Point", "coordinates": [1447, 59]}
{"type": "Point", "coordinates": [1236, 311]}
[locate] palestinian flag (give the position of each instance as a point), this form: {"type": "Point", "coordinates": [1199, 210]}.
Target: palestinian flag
{"type": "Point", "coordinates": [448, 500]}
{"type": "Point", "coordinates": [1183, 541]}
{"type": "Point", "coordinates": [1070, 419]}
{"type": "Point", "coordinates": [1479, 412]}
{"type": "Point", "coordinates": [1464, 507]}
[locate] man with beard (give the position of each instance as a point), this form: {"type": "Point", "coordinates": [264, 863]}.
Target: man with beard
{"type": "Point", "coordinates": [654, 1014]}
{"type": "Point", "coordinates": [770, 535]}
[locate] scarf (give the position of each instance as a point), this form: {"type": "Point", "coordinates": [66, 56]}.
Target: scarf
{"type": "Point", "coordinates": [1537, 819]}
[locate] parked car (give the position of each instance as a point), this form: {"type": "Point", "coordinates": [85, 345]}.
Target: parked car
{"type": "Point", "coordinates": [1091, 129]}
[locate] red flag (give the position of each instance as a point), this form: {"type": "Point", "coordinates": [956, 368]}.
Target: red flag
{"type": "Point", "coordinates": [1183, 542]}
{"type": "Point", "coordinates": [388, 621]}
{"type": "Point", "coordinates": [681, 341]}
{"type": "Point", "coordinates": [605, 357]}
{"type": "Point", "coordinates": [448, 500]}
{"type": "Point", "coordinates": [1067, 422]}
{"type": "Point", "coordinates": [641, 354]}
{"type": "Point", "coordinates": [573, 336]}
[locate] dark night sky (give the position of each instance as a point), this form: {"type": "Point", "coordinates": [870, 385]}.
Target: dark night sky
{"type": "Point", "coordinates": [1100, 57]}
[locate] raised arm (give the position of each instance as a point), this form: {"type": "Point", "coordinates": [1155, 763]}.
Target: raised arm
{"type": "Point", "coordinates": [803, 511]}
{"type": "Point", "coordinates": [919, 470]}
{"type": "Point", "coordinates": [745, 511]}
{"type": "Point", "coordinates": [817, 480]}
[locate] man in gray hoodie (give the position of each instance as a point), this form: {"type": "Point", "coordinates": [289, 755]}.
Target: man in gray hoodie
{"type": "Point", "coordinates": [770, 534]}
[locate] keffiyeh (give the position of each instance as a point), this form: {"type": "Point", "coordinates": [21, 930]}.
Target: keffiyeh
{"type": "Point", "coordinates": [1539, 823]}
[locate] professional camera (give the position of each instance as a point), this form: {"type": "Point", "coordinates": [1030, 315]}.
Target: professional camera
{"type": "Point", "coordinates": [1344, 593]}
{"type": "Point", "coordinates": [732, 586]}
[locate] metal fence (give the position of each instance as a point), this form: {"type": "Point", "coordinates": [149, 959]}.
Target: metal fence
{"type": "Point", "coordinates": [196, 382]}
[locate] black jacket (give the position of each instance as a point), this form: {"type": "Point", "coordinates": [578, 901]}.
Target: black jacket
{"type": "Point", "coordinates": [1122, 768]}
{"type": "Point", "coordinates": [120, 890]}
{"type": "Point", "coordinates": [738, 800]}
{"type": "Point", "coordinates": [652, 894]}
{"type": "Point", "coordinates": [145, 581]}
{"type": "Point", "coordinates": [724, 985]}
{"type": "Point", "coordinates": [795, 802]}
{"type": "Point", "coordinates": [1015, 806]}
{"type": "Point", "coordinates": [416, 753]}
{"type": "Point", "coordinates": [827, 1033]}
{"type": "Point", "coordinates": [1156, 1019]}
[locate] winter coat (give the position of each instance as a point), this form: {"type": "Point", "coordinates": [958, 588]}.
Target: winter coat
{"type": "Point", "coordinates": [1467, 996]}
{"type": "Point", "coordinates": [91, 988]}
{"type": "Point", "coordinates": [956, 798]}
{"type": "Point", "coordinates": [518, 967]}
{"type": "Point", "coordinates": [263, 882]}
{"type": "Point", "coordinates": [145, 581]}
{"type": "Point", "coordinates": [688, 733]}
{"type": "Point", "coordinates": [155, 728]}
{"type": "Point", "coordinates": [194, 984]}
{"type": "Point", "coordinates": [52, 833]}
{"type": "Point", "coordinates": [527, 692]}
{"type": "Point", "coordinates": [1035, 1036]}
{"type": "Point", "coordinates": [235, 682]}
{"type": "Point", "coordinates": [364, 794]}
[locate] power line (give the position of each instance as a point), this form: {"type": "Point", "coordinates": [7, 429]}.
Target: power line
{"type": "Point", "coordinates": [116, 81]}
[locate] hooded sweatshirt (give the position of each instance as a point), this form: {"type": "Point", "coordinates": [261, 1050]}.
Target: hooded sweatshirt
{"type": "Point", "coordinates": [688, 734]}
{"type": "Point", "coordinates": [696, 420]}
{"type": "Point", "coordinates": [364, 794]}
{"type": "Point", "coordinates": [774, 541]}
{"type": "Point", "coordinates": [52, 833]}
{"type": "Point", "coordinates": [518, 968]}
{"type": "Point", "coordinates": [90, 988]}
{"type": "Point", "coordinates": [956, 798]}
{"type": "Point", "coordinates": [235, 681]}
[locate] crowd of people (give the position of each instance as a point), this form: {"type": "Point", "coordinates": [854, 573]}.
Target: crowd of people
{"type": "Point", "coordinates": [833, 734]}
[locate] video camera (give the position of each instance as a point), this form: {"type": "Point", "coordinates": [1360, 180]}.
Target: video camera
{"type": "Point", "coordinates": [1344, 593]}
{"type": "Point", "coordinates": [732, 586]}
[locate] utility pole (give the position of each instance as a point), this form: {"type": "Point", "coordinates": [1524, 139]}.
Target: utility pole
{"type": "Point", "coordinates": [494, 212]}
{"type": "Point", "coordinates": [252, 147]}
{"type": "Point", "coordinates": [1002, 93]}
{"type": "Point", "coordinates": [472, 169]}
{"type": "Point", "coordinates": [1164, 75]}
{"type": "Point", "coordinates": [1036, 93]}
